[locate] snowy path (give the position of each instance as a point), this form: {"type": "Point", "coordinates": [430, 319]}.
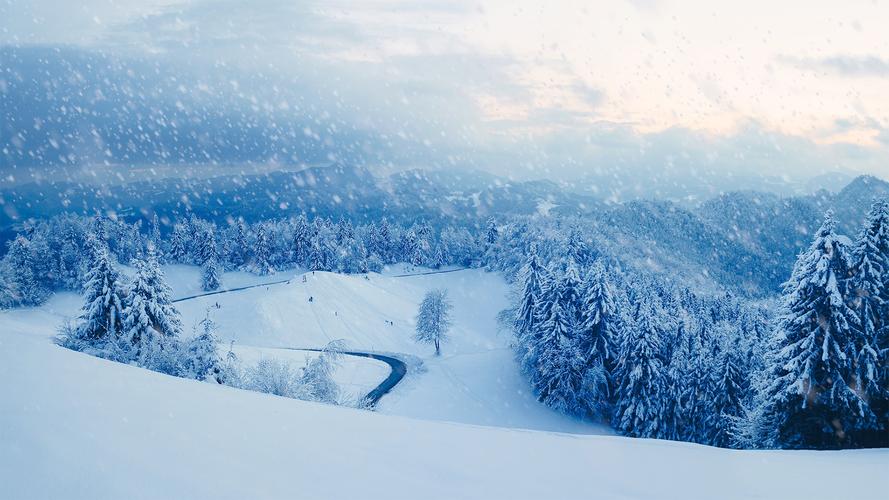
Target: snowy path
{"type": "Point", "coordinates": [397, 367]}
{"type": "Point", "coordinates": [229, 290]}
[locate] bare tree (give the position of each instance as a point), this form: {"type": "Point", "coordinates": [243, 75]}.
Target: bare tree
{"type": "Point", "coordinates": [434, 319]}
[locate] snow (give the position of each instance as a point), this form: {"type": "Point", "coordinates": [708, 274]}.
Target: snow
{"type": "Point", "coordinates": [475, 381]}
{"type": "Point", "coordinates": [355, 376]}
{"type": "Point", "coordinates": [75, 426]}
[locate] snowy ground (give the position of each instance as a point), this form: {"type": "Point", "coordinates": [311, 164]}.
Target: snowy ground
{"type": "Point", "coordinates": [475, 380]}
{"type": "Point", "coordinates": [76, 426]}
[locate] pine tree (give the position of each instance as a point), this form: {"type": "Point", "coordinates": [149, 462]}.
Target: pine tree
{"type": "Point", "coordinates": [24, 283]}
{"type": "Point", "coordinates": [808, 400]}
{"type": "Point", "coordinates": [239, 248]}
{"type": "Point", "coordinates": [102, 315]}
{"type": "Point", "coordinates": [386, 242]}
{"type": "Point", "coordinates": [559, 380]}
{"type": "Point", "coordinates": [597, 332]}
{"type": "Point", "coordinates": [578, 250]}
{"type": "Point", "coordinates": [869, 289]}
{"type": "Point", "coordinates": [687, 378]}
{"type": "Point", "coordinates": [151, 322]}
{"type": "Point", "coordinates": [323, 250]}
{"type": "Point", "coordinates": [262, 252]}
{"type": "Point", "coordinates": [200, 358]}
{"type": "Point", "coordinates": [301, 241]}
{"type": "Point", "coordinates": [179, 247]}
{"type": "Point", "coordinates": [70, 261]}
{"type": "Point", "coordinates": [208, 254]}
{"type": "Point", "coordinates": [531, 294]}
{"type": "Point", "coordinates": [640, 377]}
{"type": "Point", "coordinates": [491, 233]}
{"type": "Point", "coordinates": [410, 248]}
{"type": "Point", "coordinates": [729, 386]}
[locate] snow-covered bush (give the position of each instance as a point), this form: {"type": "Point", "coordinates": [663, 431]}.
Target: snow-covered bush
{"type": "Point", "coordinates": [316, 380]}
{"type": "Point", "coordinates": [311, 382]}
{"type": "Point", "coordinates": [272, 376]}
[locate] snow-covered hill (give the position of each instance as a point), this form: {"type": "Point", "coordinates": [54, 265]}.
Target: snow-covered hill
{"type": "Point", "coordinates": [76, 426]}
{"type": "Point", "coordinates": [475, 380]}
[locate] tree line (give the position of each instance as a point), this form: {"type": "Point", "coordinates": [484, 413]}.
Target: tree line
{"type": "Point", "coordinates": [53, 254]}
{"type": "Point", "coordinates": [656, 360]}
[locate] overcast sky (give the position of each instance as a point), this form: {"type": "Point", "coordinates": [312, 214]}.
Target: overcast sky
{"type": "Point", "coordinates": [777, 87]}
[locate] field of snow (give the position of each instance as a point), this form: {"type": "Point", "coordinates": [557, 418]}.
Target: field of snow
{"type": "Point", "coordinates": [76, 426]}
{"type": "Point", "coordinates": [475, 381]}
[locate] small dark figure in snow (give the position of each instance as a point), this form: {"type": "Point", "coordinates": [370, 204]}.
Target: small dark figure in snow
{"type": "Point", "coordinates": [311, 299]}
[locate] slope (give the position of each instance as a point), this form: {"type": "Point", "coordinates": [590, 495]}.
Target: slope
{"type": "Point", "coordinates": [75, 426]}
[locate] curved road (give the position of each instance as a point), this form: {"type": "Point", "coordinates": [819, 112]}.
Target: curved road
{"type": "Point", "coordinates": [397, 372]}
{"type": "Point", "coordinates": [398, 369]}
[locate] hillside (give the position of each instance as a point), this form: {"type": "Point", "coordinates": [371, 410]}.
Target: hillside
{"type": "Point", "coordinates": [200, 440]}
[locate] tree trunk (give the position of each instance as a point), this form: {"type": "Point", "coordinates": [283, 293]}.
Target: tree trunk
{"type": "Point", "coordinates": [437, 348]}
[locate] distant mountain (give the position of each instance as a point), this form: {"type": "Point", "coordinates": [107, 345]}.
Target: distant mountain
{"type": "Point", "coordinates": [334, 190]}
{"type": "Point", "coordinates": [852, 202]}
{"type": "Point", "coordinates": [745, 241]}
{"type": "Point", "coordinates": [776, 229]}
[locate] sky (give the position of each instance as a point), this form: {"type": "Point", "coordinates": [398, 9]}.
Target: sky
{"type": "Point", "coordinates": [537, 88]}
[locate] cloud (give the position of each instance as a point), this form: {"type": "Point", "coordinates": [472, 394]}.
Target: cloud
{"type": "Point", "coordinates": [385, 69]}
{"type": "Point", "coordinates": [843, 65]}
{"type": "Point", "coordinates": [591, 96]}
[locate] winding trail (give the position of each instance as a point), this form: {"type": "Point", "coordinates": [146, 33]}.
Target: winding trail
{"type": "Point", "coordinates": [397, 367]}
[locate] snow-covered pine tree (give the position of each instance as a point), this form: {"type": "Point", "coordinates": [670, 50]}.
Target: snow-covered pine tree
{"type": "Point", "coordinates": [324, 251]}
{"type": "Point", "coordinates": [491, 232]}
{"type": "Point", "coordinates": [200, 358]}
{"type": "Point", "coordinates": [150, 319]}
{"type": "Point", "coordinates": [410, 248]}
{"type": "Point", "coordinates": [24, 283]}
{"type": "Point", "coordinates": [809, 402]}
{"type": "Point", "coordinates": [489, 245]}
{"type": "Point", "coordinates": [434, 319]}
{"type": "Point", "coordinates": [102, 315]}
{"type": "Point", "coordinates": [598, 329]}
{"type": "Point", "coordinates": [179, 244]}
{"type": "Point", "coordinates": [729, 383]}
{"type": "Point", "coordinates": [239, 248]}
{"type": "Point", "coordinates": [386, 242]}
{"type": "Point", "coordinates": [530, 295]}
{"type": "Point", "coordinates": [71, 263]}
{"type": "Point", "coordinates": [208, 255]}
{"type": "Point", "coordinates": [7, 295]}
{"type": "Point", "coordinates": [641, 381]}
{"type": "Point", "coordinates": [301, 241]}
{"type": "Point", "coordinates": [578, 248]}
{"type": "Point", "coordinates": [262, 251]}
{"type": "Point", "coordinates": [869, 290]}
{"type": "Point", "coordinates": [687, 377]}
{"type": "Point", "coordinates": [560, 366]}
